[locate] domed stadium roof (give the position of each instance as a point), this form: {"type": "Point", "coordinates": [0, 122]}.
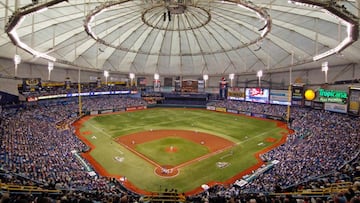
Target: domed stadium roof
{"type": "Point", "coordinates": [181, 37]}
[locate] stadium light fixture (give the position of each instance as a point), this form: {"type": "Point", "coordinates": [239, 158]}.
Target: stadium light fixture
{"type": "Point", "coordinates": [50, 68]}
{"type": "Point", "coordinates": [344, 18]}
{"type": "Point", "coordinates": [17, 61]}
{"type": "Point", "coordinates": [259, 75]}
{"type": "Point", "coordinates": [231, 77]}
{"type": "Point", "coordinates": [131, 76]}
{"type": "Point", "coordinates": [156, 76]}
{"type": "Point", "coordinates": [325, 68]}
{"type": "Point", "coordinates": [205, 77]}
{"type": "Point", "coordinates": [18, 18]}
{"type": "Point", "coordinates": [106, 74]}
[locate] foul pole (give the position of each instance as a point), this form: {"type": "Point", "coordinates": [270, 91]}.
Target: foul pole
{"type": "Point", "coordinates": [79, 94]}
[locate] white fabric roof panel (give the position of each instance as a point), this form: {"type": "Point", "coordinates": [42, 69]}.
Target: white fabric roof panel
{"type": "Point", "coordinates": [206, 37]}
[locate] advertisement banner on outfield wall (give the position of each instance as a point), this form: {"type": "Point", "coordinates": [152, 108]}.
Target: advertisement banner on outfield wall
{"type": "Point", "coordinates": [211, 108]}
{"type": "Point", "coordinates": [106, 111]}
{"type": "Point", "coordinates": [277, 118]}
{"type": "Point", "coordinates": [244, 113]}
{"type": "Point", "coordinates": [94, 112]}
{"type": "Point", "coordinates": [119, 110]}
{"type": "Point", "coordinates": [339, 108]}
{"type": "Point", "coordinates": [258, 115]}
{"type": "Point", "coordinates": [130, 108]}
{"type": "Point", "coordinates": [232, 111]}
{"type": "Point", "coordinates": [220, 109]}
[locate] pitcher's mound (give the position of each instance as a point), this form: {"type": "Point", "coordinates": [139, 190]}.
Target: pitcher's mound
{"type": "Point", "coordinates": [171, 149]}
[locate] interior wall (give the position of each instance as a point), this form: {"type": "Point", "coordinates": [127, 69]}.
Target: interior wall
{"type": "Point", "coordinates": [9, 86]}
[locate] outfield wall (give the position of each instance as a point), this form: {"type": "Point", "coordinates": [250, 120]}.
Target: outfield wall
{"type": "Point", "coordinates": [246, 113]}
{"type": "Point", "coordinates": [104, 111]}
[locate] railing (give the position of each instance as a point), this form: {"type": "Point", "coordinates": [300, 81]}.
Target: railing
{"type": "Point", "coordinates": [333, 188]}
{"type": "Point", "coordinates": [165, 197]}
{"type": "Point", "coordinates": [11, 188]}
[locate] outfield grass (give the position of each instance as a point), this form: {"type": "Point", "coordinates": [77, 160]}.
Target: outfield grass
{"type": "Point", "coordinates": [248, 133]}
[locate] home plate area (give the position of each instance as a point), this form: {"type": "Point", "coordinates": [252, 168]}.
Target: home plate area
{"type": "Point", "coordinates": [166, 171]}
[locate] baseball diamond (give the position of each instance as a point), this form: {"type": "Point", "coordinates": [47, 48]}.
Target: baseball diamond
{"type": "Point", "coordinates": [174, 148]}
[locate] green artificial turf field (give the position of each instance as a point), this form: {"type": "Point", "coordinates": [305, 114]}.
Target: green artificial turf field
{"type": "Point", "coordinates": [250, 135]}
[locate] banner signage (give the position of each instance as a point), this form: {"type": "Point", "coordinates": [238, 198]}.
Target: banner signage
{"type": "Point", "coordinates": [232, 111]}
{"type": "Point", "coordinates": [354, 101]}
{"type": "Point", "coordinates": [339, 108]}
{"type": "Point", "coordinates": [94, 112]}
{"type": "Point", "coordinates": [244, 113]}
{"type": "Point", "coordinates": [333, 96]}
{"type": "Point", "coordinates": [277, 118]}
{"type": "Point", "coordinates": [106, 111]}
{"type": "Point", "coordinates": [236, 93]}
{"type": "Point", "coordinates": [258, 115]}
{"type": "Point", "coordinates": [141, 107]}
{"type": "Point", "coordinates": [220, 109]}
{"type": "Point", "coordinates": [317, 105]}
{"type": "Point", "coordinates": [130, 108]}
{"type": "Point", "coordinates": [297, 95]}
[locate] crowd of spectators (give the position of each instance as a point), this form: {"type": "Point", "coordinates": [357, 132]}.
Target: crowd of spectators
{"type": "Point", "coordinates": [275, 110]}
{"type": "Point", "coordinates": [62, 89]}
{"type": "Point", "coordinates": [32, 146]}
{"type": "Point", "coordinates": [324, 149]}
{"type": "Point", "coordinates": [324, 143]}
{"type": "Point", "coordinates": [111, 102]}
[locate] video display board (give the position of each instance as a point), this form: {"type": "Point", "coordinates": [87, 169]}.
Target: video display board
{"type": "Point", "coordinates": [31, 84]}
{"type": "Point", "coordinates": [168, 82]}
{"type": "Point", "coordinates": [259, 95]}
{"type": "Point", "coordinates": [189, 86]}
{"type": "Point", "coordinates": [279, 97]}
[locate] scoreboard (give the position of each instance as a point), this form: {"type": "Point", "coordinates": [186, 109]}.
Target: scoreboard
{"type": "Point", "coordinates": [189, 86]}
